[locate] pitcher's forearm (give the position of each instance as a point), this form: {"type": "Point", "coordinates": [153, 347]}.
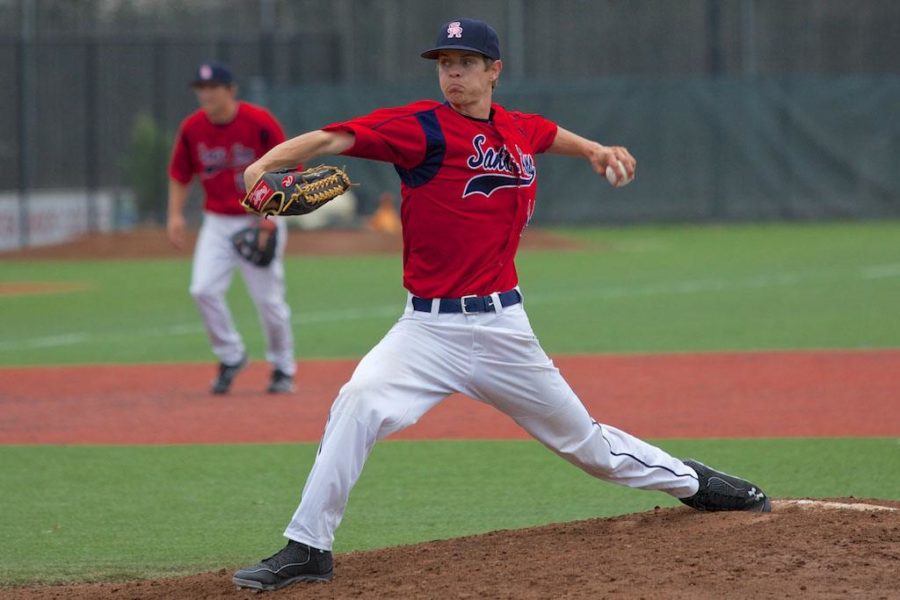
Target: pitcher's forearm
{"type": "Point", "coordinates": [300, 149]}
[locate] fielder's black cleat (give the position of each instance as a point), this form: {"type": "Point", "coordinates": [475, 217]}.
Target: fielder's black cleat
{"type": "Point", "coordinates": [720, 491]}
{"type": "Point", "coordinates": [281, 383]}
{"type": "Point", "coordinates": [295, 562]}
{"type": "Point", "coordinates": [226, 376]}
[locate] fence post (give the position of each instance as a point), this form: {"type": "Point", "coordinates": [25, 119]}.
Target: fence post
{"type": "Point", "coordinates": [714, 73]}
{"type": "Point", "coordinates": [25, 110]}
{"type": "Point", "coordinates": [159, 117]}
{"type": "Point", "coordinates": [266, 41]}
{"type": "Point", "coordinates": [91, 153]}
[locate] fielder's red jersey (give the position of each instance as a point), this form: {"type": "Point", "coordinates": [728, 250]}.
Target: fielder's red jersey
{"type": "Point", "coordinates": [219, 153]}
{"type": "Point", "coordinates": [468, 188]}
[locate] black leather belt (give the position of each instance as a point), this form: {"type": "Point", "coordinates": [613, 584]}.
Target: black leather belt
{"type": "Point", "coordinates": [468, 304]}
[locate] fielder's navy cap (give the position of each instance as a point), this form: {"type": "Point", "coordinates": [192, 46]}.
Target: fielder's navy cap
{"type": "Point", "coordinates": [213, 73]}
{"type": "Point", "coordinates": [466, 34]}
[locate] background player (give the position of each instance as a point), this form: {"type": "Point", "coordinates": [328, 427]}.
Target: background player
{"type": "Point", "coordinates": [468, 181]}
{"type": "Point", "coordinates": [216, 143]}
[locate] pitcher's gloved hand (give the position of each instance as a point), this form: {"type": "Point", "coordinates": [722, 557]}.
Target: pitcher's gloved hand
{"type": "Point", "coordinates": [295, 192]}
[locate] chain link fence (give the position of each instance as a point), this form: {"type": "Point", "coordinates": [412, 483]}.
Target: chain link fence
{"type": "Point", "coordinates": [740, 94]}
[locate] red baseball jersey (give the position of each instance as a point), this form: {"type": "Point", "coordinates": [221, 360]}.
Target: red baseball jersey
{"type": "Point", "coordinates": [219, 153]}
{"type": "Point", "coordinates": [468, 188]}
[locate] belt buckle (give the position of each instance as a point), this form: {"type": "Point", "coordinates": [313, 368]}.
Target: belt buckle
{"type": "Point", "coordinates": [462, 304]}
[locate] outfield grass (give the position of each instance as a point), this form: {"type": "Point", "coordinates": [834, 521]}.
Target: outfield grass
{"type": "Point", "coordinates": [643, 289]}
{"type": "Point", "coordinates": [76, 513]}
{"type": "Point", "coordinates": [721, 288]}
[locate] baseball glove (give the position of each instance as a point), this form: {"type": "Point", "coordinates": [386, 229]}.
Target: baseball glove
{"type": "Point", "coordinates": [256, 244]}
{"type": "Point", "coordinates": [295, 192]}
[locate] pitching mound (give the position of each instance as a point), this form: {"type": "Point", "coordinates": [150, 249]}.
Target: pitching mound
{"type": "Point", "coordinates": [834, 548]}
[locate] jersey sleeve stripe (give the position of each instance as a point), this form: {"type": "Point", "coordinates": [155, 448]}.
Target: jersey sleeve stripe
{"type": "Point", "coordinates": [435, 149]}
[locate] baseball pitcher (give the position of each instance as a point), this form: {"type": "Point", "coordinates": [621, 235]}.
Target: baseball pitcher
{"type": "Point", "coordinates": [469, 179]}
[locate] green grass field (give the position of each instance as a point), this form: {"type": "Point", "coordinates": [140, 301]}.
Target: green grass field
{"type": "Point", "coordinates": [668, 289]}
{"type": "Point", "coordinates": [76, 513]}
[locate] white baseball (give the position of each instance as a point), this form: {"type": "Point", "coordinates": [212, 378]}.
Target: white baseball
{"type": "Point", "coordinates": [619, 179]}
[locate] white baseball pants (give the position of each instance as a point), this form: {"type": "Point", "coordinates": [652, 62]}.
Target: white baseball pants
{"type": "Point", "coordinates": [492, 357]}
{"type": "Point", "coordinates": [215, 260]}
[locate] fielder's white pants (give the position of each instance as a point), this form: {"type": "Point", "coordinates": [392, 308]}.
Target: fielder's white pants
{"type": "Point", "coordinates": [215, 260]}
{"type": "Point", "coordinates": [492, 357]}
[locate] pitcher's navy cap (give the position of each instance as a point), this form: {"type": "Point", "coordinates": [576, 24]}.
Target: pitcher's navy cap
{"type": "Point", "coordinates": [213, 73]}
{"type": "Point", "coordinates": [466, 34]}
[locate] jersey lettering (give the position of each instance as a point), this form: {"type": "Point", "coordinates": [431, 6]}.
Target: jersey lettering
{"type": "Point", "coordinates": [506, 171]}
{"type": "Point", "coordinates": [218, 158]}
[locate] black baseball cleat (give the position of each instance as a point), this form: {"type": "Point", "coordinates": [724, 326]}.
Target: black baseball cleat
{"type": "Point", "coordinates": [281, 383]}
{"type": "Point", "coordinates": [720, 491]}
{"type": "Point", "coordinates": [295, 562]}
{"type": "Point", "coordinates": [227, 373]}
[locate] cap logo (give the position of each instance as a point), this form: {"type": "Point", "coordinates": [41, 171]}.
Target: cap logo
{"type": "Point", "coordinates": [454, 30]}
{"type": "Point", "coordinates": [206, 72]}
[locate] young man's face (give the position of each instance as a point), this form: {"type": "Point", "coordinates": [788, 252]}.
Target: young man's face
{"type": "Point", "coordinates": [214, 98]}
{"type": "Point", "coordinates": [466, 77]}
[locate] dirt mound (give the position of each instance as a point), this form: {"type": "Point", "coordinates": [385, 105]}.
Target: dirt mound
{"type": "Point", "coordinates": [152, 243]}
{"type": "Point", "coordinates": [823, 549]}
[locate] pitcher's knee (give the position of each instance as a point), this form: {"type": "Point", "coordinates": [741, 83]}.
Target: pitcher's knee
{"type": "Point", "coordinates": [366, 400]}
{"type": "Point", "coordinates": [590, 454]}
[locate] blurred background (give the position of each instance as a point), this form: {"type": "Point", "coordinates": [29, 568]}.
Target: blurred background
{"type": "Point", "coordinates": [737, 110]}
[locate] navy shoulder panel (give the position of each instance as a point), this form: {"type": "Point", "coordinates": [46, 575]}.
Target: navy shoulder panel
{"type": "Point", "coordinates": [435, 149]}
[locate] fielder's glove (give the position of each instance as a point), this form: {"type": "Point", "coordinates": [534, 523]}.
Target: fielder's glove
{"type": "Point", "coordinates": [256, 244]}
{"type": "Point", "coordinates": [295, 192]}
